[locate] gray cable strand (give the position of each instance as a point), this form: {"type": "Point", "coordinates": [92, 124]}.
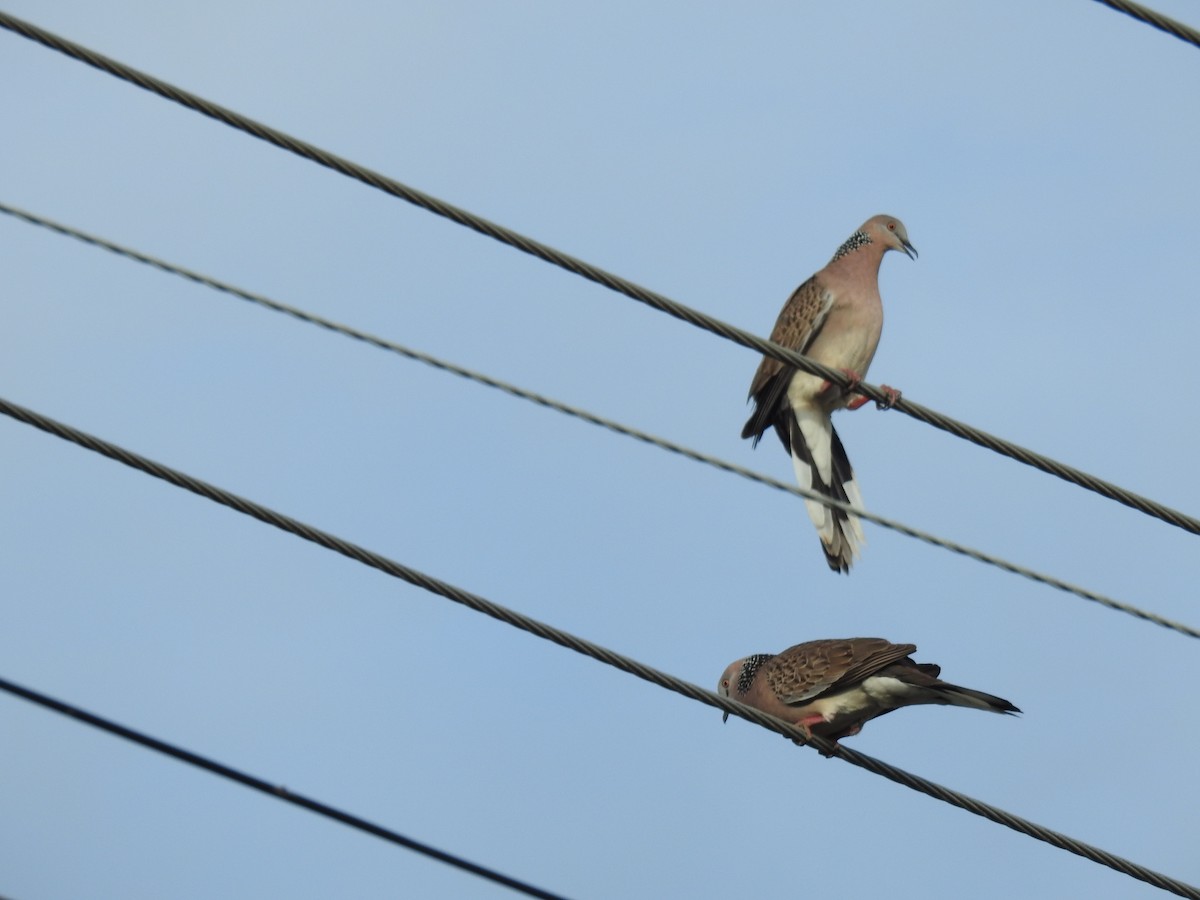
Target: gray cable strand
{"type": "Point", "coordinates": [589, 417]}
{"type": "Point", "coordinates": [273, 790]}
{"type": "Point", "coordinates": [587, 648]}
{"type": "Point", "coordinates": [593, 273]}
{"type": "Point", "coordinates": [1157, 19]}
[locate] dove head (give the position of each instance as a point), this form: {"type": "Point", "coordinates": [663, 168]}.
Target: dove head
{"type": "Point", "coordinates": [728, 681]}
{"type": "Point", "coordinates": [738, 676]}
{"type": "Point", "coordinates": [890, 233]}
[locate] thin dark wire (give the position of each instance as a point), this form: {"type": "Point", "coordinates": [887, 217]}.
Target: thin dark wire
{"type": "Point", "coordinates": [274, 790]}
{"type": "Point", "coordinates": [1157, 19]}
{"type": "Point", "coordinates": [590, 272]}
{"type": "Point", "coordinates": [592, 418]}
{"type": "Point", "coordinates": [587, 648]}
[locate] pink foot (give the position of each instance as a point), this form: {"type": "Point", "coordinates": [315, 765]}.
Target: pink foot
{"type": "Point", "coordinates": [892, 396]}
{"type": "Point", "coordinates": [858, 401]}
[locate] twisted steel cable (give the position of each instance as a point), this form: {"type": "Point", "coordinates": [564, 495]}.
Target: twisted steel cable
{"type": "Point", "coordinates": [594, 651]}
{"type": "Point", "coordinates": [592, 273]}
{"type": "Point", "coordinates": [273, 790]}
{"type": "Point", "coordinates": [589, 417]}
{"type": "Point", "coordinates": [1156, 19]}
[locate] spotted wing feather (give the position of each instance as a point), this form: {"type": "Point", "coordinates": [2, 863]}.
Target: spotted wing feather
{"type": "Point", "coordinates": [799, 323]}
{"type": "Point", "coordinates": [805, 672]}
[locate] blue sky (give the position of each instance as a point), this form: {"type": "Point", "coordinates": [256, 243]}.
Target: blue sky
{"type": "Point", "coordinates": [1042, 156]}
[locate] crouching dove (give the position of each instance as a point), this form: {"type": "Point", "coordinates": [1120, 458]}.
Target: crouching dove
{"type": "Point", "coordinates": [830, 688]}
{"type": "Point", "coordinates": [835, 318]}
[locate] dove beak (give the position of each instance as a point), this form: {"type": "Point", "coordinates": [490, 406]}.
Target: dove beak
{"type": "Point", "coordinates": [909, 250]}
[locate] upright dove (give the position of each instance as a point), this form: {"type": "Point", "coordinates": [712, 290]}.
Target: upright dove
{"type": "Point", "coordinates": [830, 688]}
{"type": "Point", "coordinates": [835, 318]}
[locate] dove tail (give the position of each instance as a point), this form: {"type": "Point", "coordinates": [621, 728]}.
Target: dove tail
{"type": "Point", "coordinates": [972, 699]}
{"type": "Point", "coordinates": [821, 465]}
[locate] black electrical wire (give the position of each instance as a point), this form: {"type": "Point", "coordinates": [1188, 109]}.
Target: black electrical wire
{"type": "Point", "coordinates": [1156, 19]}
{"type": "Point", "coordinates": [595, 651]}
{"type": "Point", "coordinates": [273, 790]}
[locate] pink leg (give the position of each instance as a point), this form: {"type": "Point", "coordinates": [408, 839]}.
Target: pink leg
{"type": "Point", "coordinates": [806, 724]}
{"type": "Point", "coordinates": [809, 721]}
{"type": "Point", "coordinates": [855, 380]}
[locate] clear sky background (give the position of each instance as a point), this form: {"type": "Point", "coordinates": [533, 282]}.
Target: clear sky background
{"type": "Point", "coordinates": [1043, 157]}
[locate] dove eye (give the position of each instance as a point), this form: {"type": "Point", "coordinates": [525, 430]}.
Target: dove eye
{"type": "Point", "coordinates": [891, 226]}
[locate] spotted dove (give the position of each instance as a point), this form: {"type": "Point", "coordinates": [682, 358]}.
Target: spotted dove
{"type": "Point", "coordinates": [830, 688]}
{"type": "Point", "coordinates": [835, 318]}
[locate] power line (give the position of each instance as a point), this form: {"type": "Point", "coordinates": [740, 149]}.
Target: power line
{"type": "Point", "coordinates": [1157, 19]}
{"type": "Point", "coordinates": [587, 648]}
{"type": "Point", "coordinates": [592, 418]}
{"type": "Point", "coordinates": [273, 790]}
{"type": "Point", "coordinates": [592, 273]}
